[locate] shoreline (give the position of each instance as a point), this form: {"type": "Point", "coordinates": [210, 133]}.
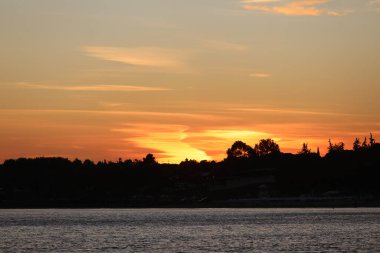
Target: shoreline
{"type": "Point", "coordinates": [343, 202]}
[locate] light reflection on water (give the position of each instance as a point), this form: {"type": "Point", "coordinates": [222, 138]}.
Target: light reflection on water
{"type": "Point", "coordinates": [190, 230]}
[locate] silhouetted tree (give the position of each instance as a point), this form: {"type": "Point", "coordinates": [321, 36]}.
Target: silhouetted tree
{"type": "Point", "coordinates": [330, 147]}
{"type": "Point", "coordinates": [266, 147]}
{"type": "Point", "coordinates": [336, 147]}
{"type": "Point", "coordinates": [371, 140]}
{"type": "Point", "coordinates": [88, 164]}
{"type": "Point", "coordinates": [305, 149]}
{"type": "Point", "coordinates": [356, 145]}
{"type": "Point", "coordinates": [239, 150]}
{"type": "Point", "coordinates": [77, 163]}
{"type": "Point", "coordinates": [364, 144]}
{"type": "Point", "coordinates": [149, 160]}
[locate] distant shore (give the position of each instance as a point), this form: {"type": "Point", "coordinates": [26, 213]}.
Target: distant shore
{"type": "Point", "coordinates": [343, 178]}
{"type": "Point", "coordinates": [288, 202]}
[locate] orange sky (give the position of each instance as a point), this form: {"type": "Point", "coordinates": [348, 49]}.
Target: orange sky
{"type": "Point", "coordinates": [108, 79]}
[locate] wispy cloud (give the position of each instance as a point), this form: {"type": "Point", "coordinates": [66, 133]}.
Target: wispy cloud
{"type": "Point", "coordinates": [374, 5]}
{"type": "Point", "coordinates": [293, 7]}
{"type": "Point", "coordinates": [122, 88]}
{"type": "Point", "coordinates": [140, 56]}
{"type": "Point", "coordinates": [224, 45]}
{"type": "Point", "coordinates": [287, 111]}
{"type": "Point", "coordinates": [194, 116]}
{"type": "Point", "coordinates": [260, 75]}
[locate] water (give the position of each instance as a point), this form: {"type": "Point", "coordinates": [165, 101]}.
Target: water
{"type": "Point", "coordinates": [190, 230]}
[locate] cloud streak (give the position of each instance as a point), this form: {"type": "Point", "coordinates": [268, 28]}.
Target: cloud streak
{"type": "Point", "coordinates": [292, 7]}
{"type": "Point", "coordinates": [224, 45]}
{"type": "Point", "coordinates": [163, 58]}
{"type": "Point", "coordinates": [206, 117]}
{"type": "Point", "coordinates": [120, 88]}
{"type": "Point", "coordinates": [289, 111]}
{"type": "Point", "coordinates": [260, 75]}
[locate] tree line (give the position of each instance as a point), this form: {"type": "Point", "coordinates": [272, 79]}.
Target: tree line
{"type": "Point", "coordinates": [261, 171]}
{"type": "Point", "coordinates": [268, 146]}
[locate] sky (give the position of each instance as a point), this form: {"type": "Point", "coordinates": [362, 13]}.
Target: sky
{"type": "Point", "coordinates": [103, 79]}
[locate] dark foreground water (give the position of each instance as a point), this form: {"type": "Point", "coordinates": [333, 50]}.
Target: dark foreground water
{"type": "Point", "coordinates": [190, 230]}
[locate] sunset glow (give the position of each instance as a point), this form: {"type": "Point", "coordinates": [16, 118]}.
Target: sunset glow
{"type": "Point", "coordinates": [108, 79]}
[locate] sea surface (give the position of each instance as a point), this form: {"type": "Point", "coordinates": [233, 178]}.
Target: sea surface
{"type": "Point", "coordinates": [190, 230]}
